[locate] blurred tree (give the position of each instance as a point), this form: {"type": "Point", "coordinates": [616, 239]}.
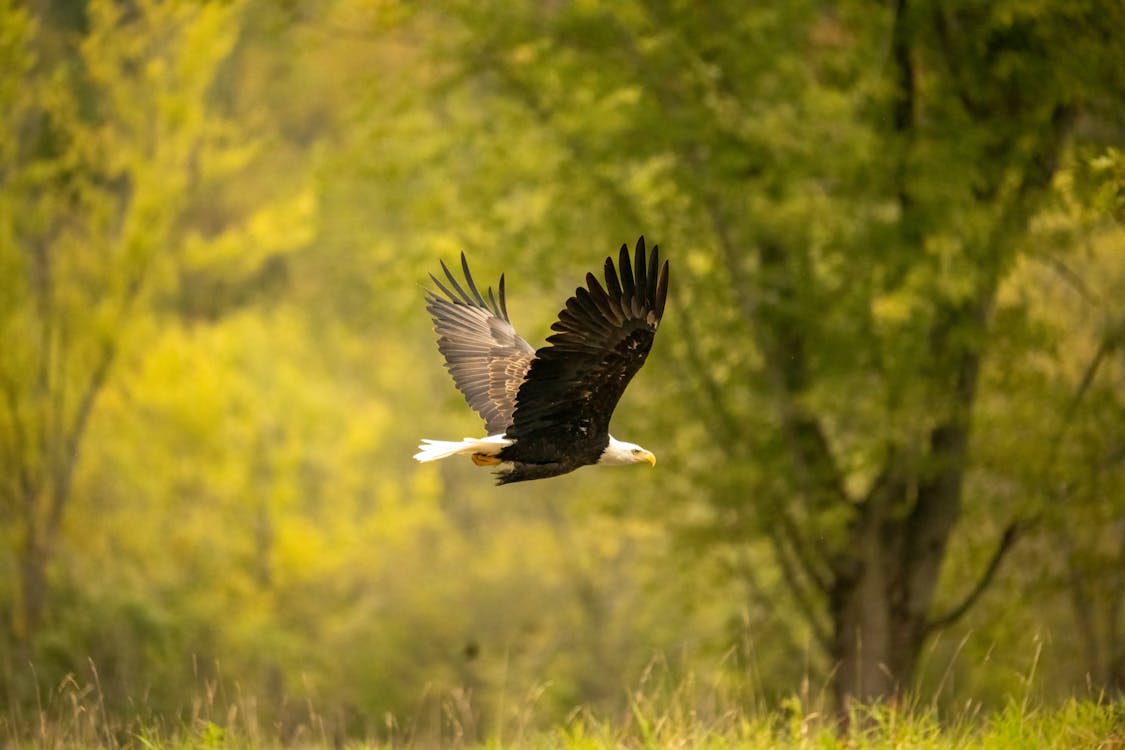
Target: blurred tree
{"type": "Point", "coordinates": [847, 189]}
{"type": "Point", "coordinates": [1049, 425]}
{"type": "Point", "coordinates": [245, 520]}
{"type": "Point", "coordinates": [1076, 393]}
{"type": "Point", "coordinates": [105, 147]}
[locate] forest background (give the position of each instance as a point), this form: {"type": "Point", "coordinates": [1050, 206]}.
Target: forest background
{"type": "Point", "coordinates": [888, 397]}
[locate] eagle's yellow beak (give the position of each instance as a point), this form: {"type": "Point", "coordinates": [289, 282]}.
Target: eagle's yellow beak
{"type": "Point", "coordinates": [651, 458]}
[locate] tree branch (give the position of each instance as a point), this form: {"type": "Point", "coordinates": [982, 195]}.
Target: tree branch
{"type": "Point", "coordinates": [903, 109]}
{"type": "Point", "coordinates": [953, 60]}
{"type": "Point", "coordinates": [799, 591]}
{"type": "Point", "coordinates": [810, 562]}
{"type": "Point", "coordinates": [1106, 346]}
{"type": "Point", "coordinates": [1069, 276]}
{"type": "Point", "coordinates": [18, 436]}
{"type": "Point", "coordinates": [73, 440]}
{"type": "Point", "coordinates": [1007, 541]}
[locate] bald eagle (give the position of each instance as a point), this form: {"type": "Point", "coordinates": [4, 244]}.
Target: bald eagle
{"type": "Point", "coordinates": [546, 411]}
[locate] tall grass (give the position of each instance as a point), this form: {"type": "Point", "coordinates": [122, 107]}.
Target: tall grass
{"type": "Point", "coordinates": [682, 715]}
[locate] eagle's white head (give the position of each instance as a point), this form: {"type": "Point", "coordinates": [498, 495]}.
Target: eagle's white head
{"type": "Point", "coordinates": [619, 453]}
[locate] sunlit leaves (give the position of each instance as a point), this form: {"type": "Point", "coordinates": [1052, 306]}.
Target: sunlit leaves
{"type": "Point", "coordinates": [241, 201]}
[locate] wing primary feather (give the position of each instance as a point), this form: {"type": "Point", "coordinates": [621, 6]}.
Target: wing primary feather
{"type": "Point", "coordinates": [653, 274]}
{"type": "Point", "coordinates": [575, 313]}
{"type": "Point", "coordinates": [458, 295]}
{"type": "Point", "coordinates": [589, 307]}
{"type": "Point", "coordinates": [661, 292]}
{"type": "Point", "coordinates": [565, 321]}
{"type": "Point", "coordinates": [627, 287]}
{"type": "Point", "coordinates": [613, 287]}
{"type": "Point", "coordinates": [640, 266]}
{"type": "Point", "coordinates": [598, 295]}
{"type": "Point", "coordinates": [492, 303]}
{"type": "Point", "coordinates": [453, 280]}
{"type": "Point", "coordinates": [472, 284]}
{"type": "Point", "coordinates": [503, 302]}
{"type": "Point", "coordinates": [441, 286]}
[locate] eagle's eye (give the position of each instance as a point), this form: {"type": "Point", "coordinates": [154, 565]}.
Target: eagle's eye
{"type": "Point", "coordinates": [636, 451]}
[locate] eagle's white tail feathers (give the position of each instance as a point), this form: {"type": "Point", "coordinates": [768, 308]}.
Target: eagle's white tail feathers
{"type": "Point", "coordinates": [432, 450]}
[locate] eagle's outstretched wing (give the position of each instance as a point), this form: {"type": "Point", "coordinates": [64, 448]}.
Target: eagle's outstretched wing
{"type": "Point", "coordinates": [601, 339]}
{"type": "Point", "coordinates": [483, 352]}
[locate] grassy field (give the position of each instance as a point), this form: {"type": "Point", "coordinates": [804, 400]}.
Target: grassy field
{"type": "Point", "coordinates": [1077, 724]}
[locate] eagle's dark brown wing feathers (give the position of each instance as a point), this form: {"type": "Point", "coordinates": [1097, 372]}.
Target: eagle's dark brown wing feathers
{"type": "Point", "coordinates": [598, 296]}
{"type": "Point", "coordinates": [602, 337]}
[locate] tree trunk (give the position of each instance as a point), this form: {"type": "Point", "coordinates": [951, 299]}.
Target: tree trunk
{"type": "Point", "coordinates": [882, 593]}
{"type": "Point", "coordinates": [876, 640]}
{"type": "Point", "coordinates": [32, 595]}
{"type": "Point", "coordinates": [862, 627]}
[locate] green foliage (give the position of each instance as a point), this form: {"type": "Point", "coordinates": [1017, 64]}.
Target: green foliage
{"type": "Point", "coordinates": [849, 218]}
{"type": "Point", "coordinates": [97, 181]}
{"type": "Point", "coordinates": [215, 218]}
